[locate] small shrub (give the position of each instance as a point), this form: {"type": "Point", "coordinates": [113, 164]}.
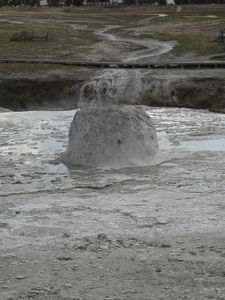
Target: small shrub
{"type": "Point", "coordinates": [193, 97]}
{"type": "Point", "coordinates": [126, 101]}
{"type": "Point", "coordinates": [26, 36]}
{"type": "Point", "coordinates": [154, 98]}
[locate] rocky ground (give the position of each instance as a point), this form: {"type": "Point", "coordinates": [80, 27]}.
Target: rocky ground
{"type": "Point", "coordinates": [135, 233]}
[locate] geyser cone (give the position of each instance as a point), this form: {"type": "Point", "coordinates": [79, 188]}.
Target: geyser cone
{"type": "Point", "coordinates": [112, 137]}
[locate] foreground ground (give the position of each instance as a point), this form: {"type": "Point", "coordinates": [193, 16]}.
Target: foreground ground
{"type": "Point", "coordinates": [137, 233]}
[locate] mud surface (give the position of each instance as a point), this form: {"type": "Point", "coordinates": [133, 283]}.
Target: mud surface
{"type": "Point", "coordinates": [138, 233]}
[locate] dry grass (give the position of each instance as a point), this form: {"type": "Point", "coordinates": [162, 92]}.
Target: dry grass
{"type": "Point", "coordinates": [63, 42]}
{"type": "Point", "coordinates": [193, 28]}
{"type": "Point", "coordinates": [193, 33]}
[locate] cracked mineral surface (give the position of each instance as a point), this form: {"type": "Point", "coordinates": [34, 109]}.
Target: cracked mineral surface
{"type": "Point", "coordinates": [134, 233]}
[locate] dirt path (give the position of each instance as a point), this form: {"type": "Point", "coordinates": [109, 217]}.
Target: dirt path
{"type": "Point", "coordinates": [152, 49]}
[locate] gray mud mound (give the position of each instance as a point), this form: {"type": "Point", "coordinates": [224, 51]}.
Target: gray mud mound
{"type": "Point", "coordinates": [112, 137]}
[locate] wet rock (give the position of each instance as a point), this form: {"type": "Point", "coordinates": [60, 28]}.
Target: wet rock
{"type": "Point", "coordinates": [80, 245]}
{"type": "Point", "coordinates": [101, 236]}
{"type": "Point", "coordinates": [4, 225]}
{"type": "Point", "coordinates": [66, 235]}
{"type": "Point", "coordinates": [165, 245]}
{"type": "Point", "coordinates": [64, 258]}
{"type": "Point", "coordinates": [112, 137]}
{"type": "Point", "coordinates": [93, 248]}
{"type": "Point", "coordinates": [21, 277]}
{"type": "Point", "coordinates": [5, 287]}
{"type": "Point", "coordinates": [3, 110]}
{"type": "Point", "coordinates": [158, 270]}
{"type": "Point", "coordinates": [104, 247]}
{"type": "Point", "coordinates": [67, 285]}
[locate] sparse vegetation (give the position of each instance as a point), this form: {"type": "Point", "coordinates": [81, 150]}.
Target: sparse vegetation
{"type": "Point", "coordinates": [189, 43]}
{"type": "Point", "coordinates": [193, 97]}
{"type": "Point", "coordinates": [125, 100]}
{"type": "Point", "coordinates": [72, 37]}
{"type": "Point", "coordinates": [210, 96]}
{"type": "Point", "coordinates": [155, 98]}
{"type": "Point", "coordinates": [221, 35]}
{"type": "Point", "coordinates": [27, 36]}
{"type": "Point", "coordinates": [202, 93]}
{"type": "Point", "coordinates": [61, 40]}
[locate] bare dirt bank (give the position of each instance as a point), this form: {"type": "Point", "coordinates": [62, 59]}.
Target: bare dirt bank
{"type": "Point", "coordinates": [56, 90]}
{"type": "Point", "coordinates": [200, 89]}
